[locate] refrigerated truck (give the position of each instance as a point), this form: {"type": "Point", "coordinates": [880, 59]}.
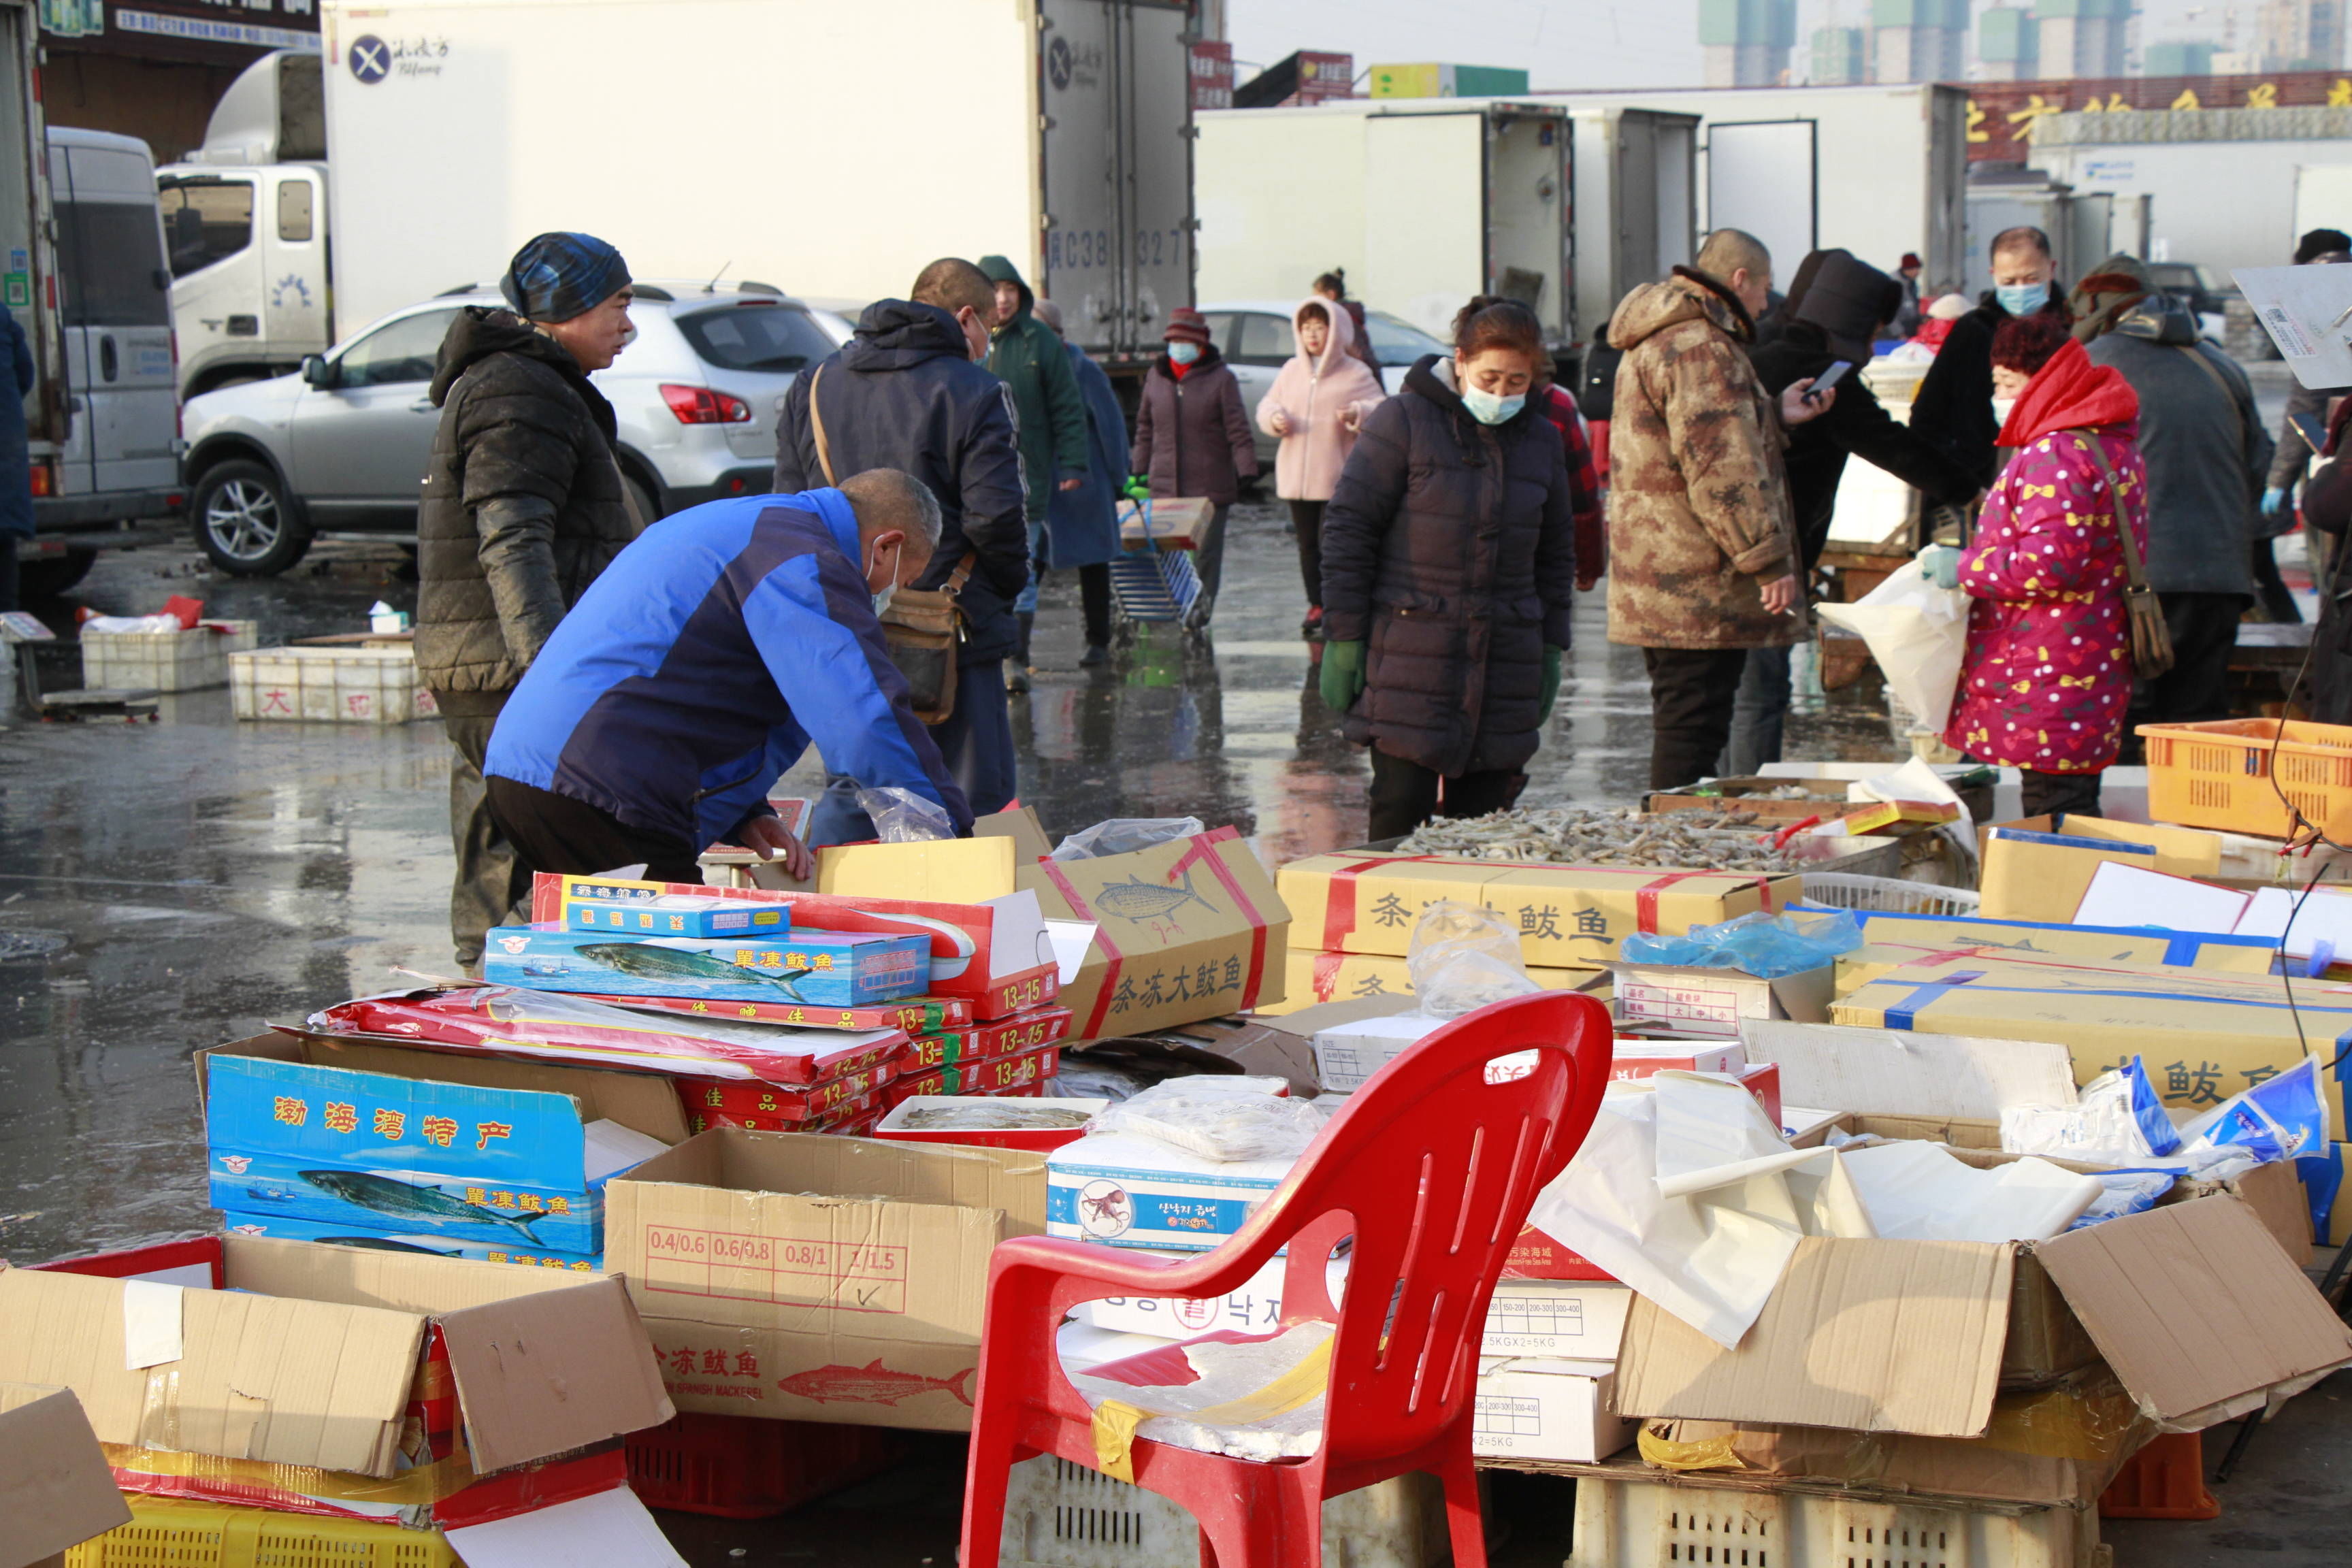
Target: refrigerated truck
{"type": "Point", "coordinates": [830, 148]}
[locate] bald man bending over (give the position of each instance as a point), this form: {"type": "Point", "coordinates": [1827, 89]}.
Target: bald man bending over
{"type": "Point", "coordinates": [708, 657]}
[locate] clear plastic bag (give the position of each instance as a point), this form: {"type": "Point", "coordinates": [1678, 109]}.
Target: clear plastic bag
{"type": "Point", "coordinates": [1218, 1116]}
{"type": "Point", "coordinates": [1462, 958]}
{"type": "Point", "coordinates": [902, 817]}
{"type": "Point", "coordinates": [1767, 946]}
{"type": "Point", "coordinates": [1126, 835]}
{"type": "Point", "coordinates": [2117, 1116]}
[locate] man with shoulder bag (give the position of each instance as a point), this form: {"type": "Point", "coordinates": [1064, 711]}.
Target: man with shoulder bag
{"type": "Point", "coordinates": [908, 394]}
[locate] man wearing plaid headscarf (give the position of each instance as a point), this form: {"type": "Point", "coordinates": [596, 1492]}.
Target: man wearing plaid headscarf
{"type": "Point", "coordinates": [522, 506]}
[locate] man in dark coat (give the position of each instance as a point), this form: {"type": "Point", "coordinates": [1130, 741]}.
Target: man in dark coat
{"type": "Point", "coordinates": [1049, 415]}
{"type": "Point", "coordinates": [16, 459]}
{"type": "Point", "coordinates": [522, 506]}
{"type": "Point", "coordinates": [905, 394]}
{"type": "Point", "coordinates": [1954, 406]}
{"type": "Point", "coordinates": [1081, 530]}
{"type": "Point", "coordinates": [2208, 454]}
{"type": "Point", "coordinates": [1837, 306]}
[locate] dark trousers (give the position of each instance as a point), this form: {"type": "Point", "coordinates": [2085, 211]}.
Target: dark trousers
{"type": "Point", "coordinates": [8, 600]}
{"type": "Point", "coordinates": [490, 881]}
{"type": "Point", "coordinates": [1209, 561]}
{"type": "Point", "coordinates": [975, 740]}
{"type": "Point", "coordinates": [1307, 521]}
{"type": "Point", "coordinates": [553, 832]}
{"type": "Point", "coordinates": [1760, 712]}
{"type": "Point", "coordinates": [2271, 589]}
{"type": "Point", "coordinates": [1093, 596]}
{"type": "Point", "coordinates": [2204, 630]}
{"type": "Point", "coordinates": [1692, 693]}
{"type": "Point", "coordinates": [1406, 795]}
{"type": "Point", "coordinates": [2067, 795]}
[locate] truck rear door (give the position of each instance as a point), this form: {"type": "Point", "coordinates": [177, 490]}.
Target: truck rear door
{"type": "Point", "coordinates": [1762, 176]}
{"type": "Point", "coordinates": [115, 294]}
{"type": "Point", "coordinates": [1426, 254]}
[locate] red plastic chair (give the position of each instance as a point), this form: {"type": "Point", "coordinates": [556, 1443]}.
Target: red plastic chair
{"type": "Point", "coordinates": [1431, 1169]}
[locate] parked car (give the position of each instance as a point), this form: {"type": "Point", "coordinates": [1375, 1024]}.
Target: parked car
{"type": "Point", "coordinates": [2195, 286]}
{"type": "Point", "coordinates": [342, 444]}
{"type": "Point", "coordinates": [1256, 337]}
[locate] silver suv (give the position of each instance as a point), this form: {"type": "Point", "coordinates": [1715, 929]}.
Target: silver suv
{"type": "Point", "coordinates": [341, 446]}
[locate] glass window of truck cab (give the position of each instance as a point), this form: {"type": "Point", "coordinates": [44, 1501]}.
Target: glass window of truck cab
{"type": "Point", "coordinates": [206, 220]}
{"type": "Point", "coordinates": [396, 352]}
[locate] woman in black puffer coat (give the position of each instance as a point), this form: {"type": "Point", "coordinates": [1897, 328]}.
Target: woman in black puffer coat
{"type": "Point", "coordinates": [1449, 566]}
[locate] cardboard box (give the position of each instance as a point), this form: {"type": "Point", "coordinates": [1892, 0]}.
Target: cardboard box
{"type": "Point", "coordinates": [907, 1015]}
{"type": "Point", "coordinates": [597, 903]}
{"type": "Point", "coordinates": [1348, 1055]}
{"type": "Point", "coordinates": [1569, 916]}
{"type": "Point", "coordinates": [1925, 934]}
{"type": "Point", "coordinates": [1690, 999]}
{"type": "Point", "coordinates": [1018, 1073]}
{"type": "Point", "coordinates": [2329, 1192]}
{"type": "Point", "coordinates": [310, 1356]}
{"type": "Point", "coordinates": [1887, 1073]}
{"type": "Point", "coordinates": [1545, 1409]}
{"type": "Point", "coordinates": [1006, 1037]}
{"type": "Point", "coordinates": [2043, 875]}
{"type": "Point", "coordinates": [389, 1236]}
{"type": "Point", "coordinates": [1901, 1336]}
{"type": "Point", "coordinates": [1131, 1191]}
{"type": "Point", "coordinates": [1573, 1319]}
{"type": "Point", "coordinates": [55, 1488]}
{"type": "Point", "coordinates": [850, 1117]}
{"type": "Point", "coordinates": [2180, 851]}
{"type": "Point", "coordinates": [781, 1103]}
{"type": "Point", "coordinates": [820, 1279]}
{"type": "Point", "coordinates": [1254, 1307]}
{"type": "Point", "coordinates": [818, 969]}
{"type": "Point", "coordinates": [1320, 977]}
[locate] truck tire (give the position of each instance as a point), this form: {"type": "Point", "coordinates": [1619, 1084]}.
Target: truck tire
{"type": "Point", "coordinates": [244, 521]}
{"type": "Point", "coordinates": [50, 575]}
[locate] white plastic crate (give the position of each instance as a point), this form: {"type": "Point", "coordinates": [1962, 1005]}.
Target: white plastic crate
{"type": "Point", "coordinates": [1061, 1515]}
{"type": "Point", "coordinates": [1649, 1524]}
{"type": "Point", "coordinates": [164, 661]}
{"type": "Point", "coordinates": [338, 685]}
{"type": "Point", "coordinates": [1887, 895]}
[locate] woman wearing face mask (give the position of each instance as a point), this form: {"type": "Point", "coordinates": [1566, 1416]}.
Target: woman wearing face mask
{"type": "Point", "coordinates": [1317, 404]}
{"type": "Point", "coordinates": [1449, 570]}
{"type": "Point", "coordinates": [1193, 438]}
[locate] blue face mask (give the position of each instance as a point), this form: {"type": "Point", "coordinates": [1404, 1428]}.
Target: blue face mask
{"type": "Point", "coordinates": [1184, 354]}
{"type": "Point", "coordinates": [1491, 407]}
{"type": "Point", "coordinates": [2021, 299]}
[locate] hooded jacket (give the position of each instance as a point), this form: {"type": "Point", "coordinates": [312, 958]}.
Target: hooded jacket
{"type": "Point", "coordinates": [1320, 402]}
{"type": "Point", "coordinates": [1953, 407]}
{"type": "Point", "coordinates": [904, 394]}
{"type": "Point", "coordinates": [1449, 550]}
{"type": "Point", "coordinates": [1699, 500]}
{"type": "Point", "coordinates": [522, 506]}
{"type": "Point", "coordinates": [2207, 451]}
{"type": "Point", "coordinates": [1049, 414]}
{"type": "Point", "coordinates": [2048, 673]}
{"type": "Point", "coordinates": [1082, 525]}
{"type": "Point", "coordinates": [1193, 431]}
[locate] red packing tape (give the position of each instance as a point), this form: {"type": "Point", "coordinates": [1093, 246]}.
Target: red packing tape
{"type": "Point", "coordinates": [1339, 902]}
{"type": "Point", "coordinates": [1202, 852]}
{"type": "Point", "coordinates": [1327, 973]}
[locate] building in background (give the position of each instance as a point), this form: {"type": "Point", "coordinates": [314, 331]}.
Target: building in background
{"type": "Point", "coordinates": [2178, 57]}
{"type": "Point", "coordinates": [1745, 43]}
{"type": "Point", "coordinates": [1447, 82]}
{"type": "Point", "coordinates": [2007, 44]}
{"type": "Point", "coordinates": [2086, 38]}
{"type": "Point", "coordinates": [2299, 35]}
{"type": "Point", "coordinates": [154, 68]}
{"type": "Point", "coordinates": [1841, 56]}
{"type": "Point", "coordinates": [1918, 40]}
{"type": "Point", "coordinates": [1305, 78]}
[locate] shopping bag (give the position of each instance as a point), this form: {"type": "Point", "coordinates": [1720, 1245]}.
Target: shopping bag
{"type": "Point", "coordinates": [1917, 632]}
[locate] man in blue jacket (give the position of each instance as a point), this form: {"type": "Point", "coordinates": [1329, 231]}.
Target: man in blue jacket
{"type": "Point", "coordinates": [905, 395]}
{"type": "Point", "coordinates": [701, 666]}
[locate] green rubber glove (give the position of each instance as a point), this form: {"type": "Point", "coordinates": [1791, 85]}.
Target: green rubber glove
{"type": "Point", "coordinates": [1343, 675]}
{"type": "Point", "coordinates": [1550, 682]}
{"type": "Point", "coordinates": [1138, 488]}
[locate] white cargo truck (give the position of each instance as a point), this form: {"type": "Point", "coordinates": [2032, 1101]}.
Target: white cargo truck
{"type": "Point", "coordinates": [828, 147]}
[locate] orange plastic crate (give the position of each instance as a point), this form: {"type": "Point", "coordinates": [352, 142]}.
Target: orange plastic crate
{"type": "Point", "coordinates": [745, 1467]}
{"type": "Point", "coordinates": [2219, 774]}
{"type": "Point", "coordinates": [2164, 1481]}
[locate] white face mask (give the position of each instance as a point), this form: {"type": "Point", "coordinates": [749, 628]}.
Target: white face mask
{"type": "Point", "coordinates": [882, 600]}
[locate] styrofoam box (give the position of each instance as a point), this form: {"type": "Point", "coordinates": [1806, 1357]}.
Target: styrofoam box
{"type": "Point", "coordinates": [1583, 1320]}
{"type": "Point", "coordinates": [1061, 1515]}
{"type": "Point", "coordinates": [1640, 1524]}
{"type": "Point", "coordinates": [1563, 1410]}
{"type": "Point", "coordinates": [1347, 1055]}
{"type": "Point", "coordinates": [338, 685]}
{"type": "Point", "coordinates": [1256, 1308]}
{"type": "Point", "coordinates": [164, 661]}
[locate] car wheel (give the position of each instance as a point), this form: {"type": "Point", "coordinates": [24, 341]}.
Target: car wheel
{"type": "Point", "coordinates": [648, 505]}
{"type": "Point", "coordinates": [244, 521]}
{"type": "Point", "coordinates": [48, 577]}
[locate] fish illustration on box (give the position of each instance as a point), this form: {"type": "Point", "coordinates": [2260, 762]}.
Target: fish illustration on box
{"type": "Point", "coordinates": [872, 1383]}
{"type": "Point", "coordinates": [402, 1239]}
{"type": "Point", "coordinates": [1136, 899]}
{"type": "Point", "coordinates": [328, 1201]}
{"type": "Point", "coordinates": [819, 969]}
{"type": "Point", "coordinates": [407, 1200]}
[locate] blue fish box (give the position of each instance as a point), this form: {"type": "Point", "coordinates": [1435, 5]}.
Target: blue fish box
{"type": "Point", "coordinates": [401, 1241]}
{"type": "Point", "coordinates": [592, 906]}
{"type": "Point", "coordinates": [511, 1214]}
{"type": "Point", "coordinates": [822, 969]}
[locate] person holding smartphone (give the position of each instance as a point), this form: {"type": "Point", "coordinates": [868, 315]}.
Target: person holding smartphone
{"type": "Point", "coordinates": [1837, 306]}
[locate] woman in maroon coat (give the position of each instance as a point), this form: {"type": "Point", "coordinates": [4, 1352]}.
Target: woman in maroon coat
{"type": "Point", "coordinates": [1193, 438]}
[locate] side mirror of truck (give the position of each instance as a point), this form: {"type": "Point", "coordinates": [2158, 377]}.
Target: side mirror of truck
{"type": "Point", "coordinates": [321, 372]}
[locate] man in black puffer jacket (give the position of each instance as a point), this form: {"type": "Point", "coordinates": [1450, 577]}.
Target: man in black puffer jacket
{"type": "Point", "coordinates": [522, 506]}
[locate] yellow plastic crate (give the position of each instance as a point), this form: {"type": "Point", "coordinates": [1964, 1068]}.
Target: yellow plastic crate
{"type": "Point", "coordinates": [167, 1532]}
{"type": "Point", "coordinates": [2219, 774]}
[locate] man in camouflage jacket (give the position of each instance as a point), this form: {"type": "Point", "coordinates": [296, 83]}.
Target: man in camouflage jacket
{"type": "Point", "coordinates": [1703, 560]}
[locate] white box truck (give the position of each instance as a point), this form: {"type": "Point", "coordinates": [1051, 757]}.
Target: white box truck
{"type": "Point", "coordinates": [828, 147]}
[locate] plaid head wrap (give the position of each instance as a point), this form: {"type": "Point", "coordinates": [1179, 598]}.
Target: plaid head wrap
{"type": "Point", "coordinates": [559, 275]}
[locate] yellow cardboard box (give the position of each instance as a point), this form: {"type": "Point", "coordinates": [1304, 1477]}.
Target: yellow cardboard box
{"type": "Point", "coordinates": [2042, 876]}
{"type": "Point", "coordinates": [1309, 978]}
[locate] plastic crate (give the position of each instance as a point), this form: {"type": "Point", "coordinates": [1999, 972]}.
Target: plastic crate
{"type": "Point", "coordinates": [167, 1533]}
{"type": "Point", "coordinates": [2164, 1481]}
{"type": "Point", "coordinates": [741, 1466]}
{"type": "Point", "coordinates": [164, 661]}
{"type": "Point", "coordinates": [1886, 895]}
{"type": "Point", "coordinates": [338, 685]}
{"type": "Point", "coordinates": [1061, 1515]}
{"type": "Point", "coordinates": [2220, 774]}
{"type": "Point", "coordinates": [1642, 1524]}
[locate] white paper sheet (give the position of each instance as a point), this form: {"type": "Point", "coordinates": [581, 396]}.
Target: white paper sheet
{"type": "Point", "coordinates": [1919, 1192]}
{"type": "Point", "coordinates": [611, 1530]}
{"type": "Point", "coordinates": [150, 1323]}
{"type": "Point", "coordinates": [612, 1147]}
{"type": "Point", "coordinates": [2307, 311]}
{"type": "Point", "coordinates": [1892, 1072]}
{"type": "Point", "coordinates": [2121, 895]}
{"type": "Point", "coordinates": [1068, 940]}
{"type": "Point", "coordinates": [2325, 917]}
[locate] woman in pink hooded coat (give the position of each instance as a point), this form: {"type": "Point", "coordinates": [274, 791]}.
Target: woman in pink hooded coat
{"type": "Point", "coordinates": [1318, 402]}
{"type": "Point", "coordinates": [2048, 672]}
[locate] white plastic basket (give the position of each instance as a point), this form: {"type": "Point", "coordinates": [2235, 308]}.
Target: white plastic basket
{"type": "Point", "coordinates": [338, 685]}
{"type": "Point", "coordinates": [1886, 895]}
{"type": "Point", "coordinates": [1061, 1515]}
{"type": "Point", "coordinates": [164, 661]}
{"type": "Point", "coordinates": [1645, 1524]}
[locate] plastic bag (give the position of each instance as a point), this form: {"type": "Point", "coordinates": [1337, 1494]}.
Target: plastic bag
{"type": "Point", "coordinates": [2127, 1192]}
{"type": "Point", "coordinates": [1463, 957]}
{"type": "Point", "coordinates": [902, 817]}
{"type": "Point", "coordinates": [115, 626]}
{"type": "Point", "coordinates": [2281, 1119]}
{"type": "Point", "coordinates": [1126, 835]}
{"type": "Point", "coordinates": [2117, 1114]}
{"type": "Point", "coordinates": [1218, 1116]}
{"type": "Point", "coordinates": [1917, 632]}
{"type": "Point", "coordinates": [1767, 946]}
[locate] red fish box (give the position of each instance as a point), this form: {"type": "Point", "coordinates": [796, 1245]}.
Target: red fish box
{"type": "Point", "coordinates": [783, 1102]}
{"type": "Point", "coordinates": [504, 1020]}
{"type": "Point", "coordinates": [1024, 1071]}
{"type": "Point", "coordinates": [1040, 1140]}
{"type": "Point", "coordinates": [850, 1117]}
{"type": "Point", "coordinates": [911, 1014]}
{"type": "Point", "coordinates": [1022, 1032]}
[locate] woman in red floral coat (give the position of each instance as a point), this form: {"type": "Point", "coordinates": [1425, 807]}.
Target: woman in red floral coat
{"type": "Point", "coordinates": [2048, 672]}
